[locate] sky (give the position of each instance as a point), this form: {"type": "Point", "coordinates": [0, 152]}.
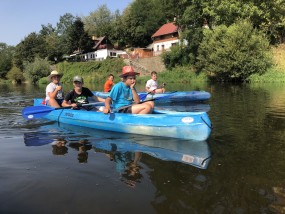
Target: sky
{"type": "Point", "coordinates": [19, 18]}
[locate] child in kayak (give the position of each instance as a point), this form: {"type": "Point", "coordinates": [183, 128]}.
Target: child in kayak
{"type": "Point", "coordinates": [54, 90]}
{"type": "Point", "coordinates": [152, 85]}
{"type": "Point", "coordinates": [124, 93]}
{"type": "Point", "coordinates": [79, 94]}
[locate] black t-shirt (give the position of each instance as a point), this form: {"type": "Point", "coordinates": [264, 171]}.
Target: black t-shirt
{"type": "Point", "coordinates": [79, 98]}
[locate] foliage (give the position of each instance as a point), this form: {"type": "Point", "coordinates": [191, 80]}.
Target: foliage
{"type": "Point", "coordinates": [178, 56]}
{"type": "Point", "coordinates": [15, 75]}
{"type": "Point", "coordinates": [77, 38]}
{"type": "Point", "coordinates": [6, 57]}
{"type": "Point", "coordinates": [272, 75]}
{"type": "Point", "coordinates": [91, 71]}
{"type": "Point", "coordinates": [36, 70]}
{"type": "Point", "coordinates": [139, 26]}
{"type": "Point", "coordinates": [234, 53]}
{"type": "Point", "coordinates": [31, 47]}
{"type": "Point", "coordinates": [99, 22]}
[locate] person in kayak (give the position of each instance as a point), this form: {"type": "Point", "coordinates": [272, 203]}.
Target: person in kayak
{"type": "Point", "coordinates": [109, 83]}
{"type": "Point", "coordinates": [79, 94]}
{"type": "Point", "coordinates": [124, 93]}
{"type": "Point", "coordinates": [54, 90]}
{"type": "Point", "coordinates": [152, 85]}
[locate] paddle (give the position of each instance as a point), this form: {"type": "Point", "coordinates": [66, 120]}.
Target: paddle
{"type": "Point", "coordinates": [143, 96]}
{"type": "Point", "coordinates": [154, 99]}
{"type": "Point", "coordinates": [32, 112]}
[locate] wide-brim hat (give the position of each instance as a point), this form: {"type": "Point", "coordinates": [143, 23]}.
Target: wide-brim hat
{"type": "Point", "coordinates": [54, 73]}
{"type": "Point", "coordinates": [128, 71]}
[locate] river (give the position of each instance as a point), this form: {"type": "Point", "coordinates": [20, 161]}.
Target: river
{"type": "Point", "coordinates": [54, 168]}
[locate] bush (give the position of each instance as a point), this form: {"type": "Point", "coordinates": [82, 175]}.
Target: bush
{"type": "Point", "coordinates": [36, 70]}
{"type": "Point", "coordinates": [15, 75]}
{"type": "Point", "coordinates": [234, 53]}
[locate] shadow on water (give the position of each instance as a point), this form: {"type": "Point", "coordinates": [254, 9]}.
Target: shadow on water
{"type": "Point", "coordinates": [116, 144]}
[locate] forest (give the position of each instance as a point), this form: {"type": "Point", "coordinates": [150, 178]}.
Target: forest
{"type": "Point", "coordinates": [227, 40]}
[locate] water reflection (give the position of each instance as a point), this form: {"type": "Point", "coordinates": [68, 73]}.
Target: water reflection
{"type": "Point", "coordinates": [122, 149]}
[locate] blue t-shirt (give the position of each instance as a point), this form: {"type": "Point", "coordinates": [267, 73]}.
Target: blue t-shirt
{"type": "Point", "coordinates": [121, 95]}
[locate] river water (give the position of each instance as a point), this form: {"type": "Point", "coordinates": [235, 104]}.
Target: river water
{"type": "Point", "coordinates": [55, 168]}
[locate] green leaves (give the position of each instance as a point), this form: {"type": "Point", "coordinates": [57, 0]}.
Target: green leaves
{"type": "Point", "coordinates": [234, 53]}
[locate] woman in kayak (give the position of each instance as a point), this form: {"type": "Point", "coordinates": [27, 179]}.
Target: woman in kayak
{"type": "Point", "coordinates": [124, 93]}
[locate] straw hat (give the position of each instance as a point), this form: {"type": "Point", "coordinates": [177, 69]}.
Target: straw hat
{"type": "Point", "coordinates": [128, 71]}
{"type": "Point", "coordinates": [54, 73]}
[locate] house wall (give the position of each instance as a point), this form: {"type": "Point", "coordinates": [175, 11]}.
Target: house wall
{"type": "Point", "coordinates": [160, 46]}
{"type": "Point", "coordinates": [101, 54]}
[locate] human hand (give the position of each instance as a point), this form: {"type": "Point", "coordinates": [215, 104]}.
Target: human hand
{"type": "Point", "coordinates": [58, 88]}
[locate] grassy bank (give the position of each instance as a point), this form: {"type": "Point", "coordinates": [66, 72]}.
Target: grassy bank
{"type": "Point", "coordinates": [97, 72]}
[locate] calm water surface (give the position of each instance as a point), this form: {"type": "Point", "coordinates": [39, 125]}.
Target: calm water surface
{"type": "Point", "coordinates": [54, 168]}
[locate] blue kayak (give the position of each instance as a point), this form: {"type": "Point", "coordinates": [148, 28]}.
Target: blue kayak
{"type": "Point", "coordinates": [182, 125]}
{"type": "Point", "coordinates": [168, 97]}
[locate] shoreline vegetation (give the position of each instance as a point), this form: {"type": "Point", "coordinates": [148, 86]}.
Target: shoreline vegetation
{"type": "Point", "coordinates": [177, 75]}
{"type": "Point", "coordinates": [97, 72]}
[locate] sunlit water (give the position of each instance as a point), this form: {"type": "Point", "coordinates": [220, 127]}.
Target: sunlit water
{"type": "Point", "coordinates": [54, 168]}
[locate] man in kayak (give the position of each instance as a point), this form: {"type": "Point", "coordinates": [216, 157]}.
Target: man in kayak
{"type": "Point", "coordinates": [79, 94]}
{"type": "Point", "coordinates": [124, 93]}
{"type": "Point", "coordinates": [152, 86]}
{"type": "Point", "coordinates": [54, 90]}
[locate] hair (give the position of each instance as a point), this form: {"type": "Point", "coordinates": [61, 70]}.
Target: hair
{"type": "Point", "coordinates": [153, 72]}
{"type": "Point", "coordinates": [111, 75]}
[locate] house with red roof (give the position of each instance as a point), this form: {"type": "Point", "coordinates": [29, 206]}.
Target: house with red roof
{"type": "Point", "coordinates": [164, 38]}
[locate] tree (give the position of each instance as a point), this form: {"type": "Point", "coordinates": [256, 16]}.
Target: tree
{"type": "Point", "coordinates": [33, 45]}
{"type": "Point", "coordinates": [234, 53]}
{"type": "Point", "coordinates": [77, 39]}
{"type": "Point", "coordinates": [16, 75]}
{"type": "Point", "coordinates": [6, 59]}
{"type": "Point", "coordinates": [139, 26]}
{"type": "Point", "coordinates": [36, 70]}
{"type": "Point", "coordinates": [99, 22]}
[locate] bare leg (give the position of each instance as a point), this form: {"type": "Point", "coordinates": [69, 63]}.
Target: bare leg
{"type": "Point", "coordinates": [143, 108]}
{"type": "Point", "coordinates": [160, 90]}
{"type": "Point", "coordinates": [53, 103]}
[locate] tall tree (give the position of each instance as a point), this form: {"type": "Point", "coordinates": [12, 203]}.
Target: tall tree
{"type": "Point", "coordinates": [33, 45]}
{"type": "Point", "coordinates": [140, 21]}
{"type": "Point", "coordinates": [99, 22]}
{"type": "Point", "coordinates": [6, 59]}
{"type": "Point", "coordinates": [77, 38]}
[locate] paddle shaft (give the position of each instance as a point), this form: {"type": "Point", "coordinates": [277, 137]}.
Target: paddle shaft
{"type": "Point", "coordinates": [32, 112]}
{"type": "Point", "coordinates": [153, 99]}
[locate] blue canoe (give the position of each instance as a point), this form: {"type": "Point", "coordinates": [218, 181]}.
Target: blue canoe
{"type": "Point", "coordinates": [182, 125]}
{"type": "Point", "coordinates": [188, 152]}
{"type": "Point", "coordinates": [179, 96]}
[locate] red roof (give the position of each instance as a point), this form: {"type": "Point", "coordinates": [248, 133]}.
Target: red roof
{"type": "Point", "coordinates": [168, 28]}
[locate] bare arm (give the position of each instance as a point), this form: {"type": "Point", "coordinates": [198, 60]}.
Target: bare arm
{"type": "Point", "coordinates": [107, 108]}
{"type": "Point", "coordinates": [98, 99]}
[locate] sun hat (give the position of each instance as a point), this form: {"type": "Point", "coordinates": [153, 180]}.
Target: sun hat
{"type": "Point", "coordinates": [54, 73]}
{"type": "Point", "coordinates": [78, 79]}
{"type": "Point", "coordinates": [128, 71]}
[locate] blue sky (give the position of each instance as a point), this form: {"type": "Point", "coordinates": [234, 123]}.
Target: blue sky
{"type": "Point", "coordinates": [19, 18]}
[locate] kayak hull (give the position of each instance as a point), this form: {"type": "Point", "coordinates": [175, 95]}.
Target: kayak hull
{"type": "Point", "coordinates": [182, 125]}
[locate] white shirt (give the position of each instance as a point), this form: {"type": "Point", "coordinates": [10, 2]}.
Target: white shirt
{"type": "Point", "coordinates": [50, 88]}
{"type": "Point", "coordinates": [151, 84]}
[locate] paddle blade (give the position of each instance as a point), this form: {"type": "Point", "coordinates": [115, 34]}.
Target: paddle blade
{"type": "Point", "coordinates": [33, 112]}
{"type": "Point", "coordinates": [143, 96]}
